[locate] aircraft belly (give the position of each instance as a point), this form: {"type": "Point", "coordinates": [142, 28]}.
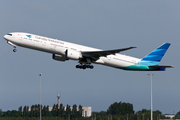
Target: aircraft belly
{"type": "Point", "coordinates": [115, 63]}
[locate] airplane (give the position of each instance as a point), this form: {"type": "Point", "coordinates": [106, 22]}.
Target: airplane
{"type": "Point", "coordinates": [63, 51]}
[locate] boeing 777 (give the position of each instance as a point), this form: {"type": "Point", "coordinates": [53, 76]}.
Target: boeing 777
{"type": "Point", "coordinates": [63, 51]}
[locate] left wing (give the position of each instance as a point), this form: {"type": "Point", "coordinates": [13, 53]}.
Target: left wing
{"type": "Point", "coordinates": [97, 54]}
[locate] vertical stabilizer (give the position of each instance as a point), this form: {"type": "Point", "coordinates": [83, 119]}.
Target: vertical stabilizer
{"type": "Point", "coordinates": [155, 56]}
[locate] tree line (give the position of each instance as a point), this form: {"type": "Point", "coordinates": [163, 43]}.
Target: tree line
{"type": "Point", "coordinates": [116, 111]}
{"type": "Point", "coordinates": [34, 112]}
{"type": "Point", "coordinates": [124, 111]}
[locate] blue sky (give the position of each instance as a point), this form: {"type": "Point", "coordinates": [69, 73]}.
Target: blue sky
{"type": "Point", "coordinates": [101, 24]}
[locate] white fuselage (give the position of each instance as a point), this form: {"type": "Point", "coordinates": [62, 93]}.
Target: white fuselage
{"type": "Point", "coordinates": [59, 47]}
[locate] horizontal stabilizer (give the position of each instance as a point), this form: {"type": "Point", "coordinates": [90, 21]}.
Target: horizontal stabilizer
{"type": "Point", "coordinates": [162, 66]}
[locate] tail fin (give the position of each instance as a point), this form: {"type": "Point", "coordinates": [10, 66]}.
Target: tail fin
{"type": "Point", "coordinates": [155, 56]}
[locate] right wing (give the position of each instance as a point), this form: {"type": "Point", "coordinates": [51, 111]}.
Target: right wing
{"type": "Point", "coordinates": [97, 54]}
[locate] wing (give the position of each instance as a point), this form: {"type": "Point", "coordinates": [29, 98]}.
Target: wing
{"type": "Point", "coordinates": [97, 54]}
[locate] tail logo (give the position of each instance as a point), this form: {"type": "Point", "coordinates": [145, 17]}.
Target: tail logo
{"type": "Point", "coordinates": [155, 56]}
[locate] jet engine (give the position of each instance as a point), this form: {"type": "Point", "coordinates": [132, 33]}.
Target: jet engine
{"type": "Point", "coordinates": [72, 54]}
{"type": "Point", "coordinates": [59, 57]}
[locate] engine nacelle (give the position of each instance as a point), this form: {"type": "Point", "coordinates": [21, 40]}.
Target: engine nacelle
{"type": "Point", "coordinates": [72, 54]}
{"type": "Point", "coordinates": [59, 57]}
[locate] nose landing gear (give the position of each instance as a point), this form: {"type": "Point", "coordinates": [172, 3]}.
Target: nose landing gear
{"type": "Point", "coordinates": [9, 42]}
{"type": "Point", "coordinates": [14, 50]}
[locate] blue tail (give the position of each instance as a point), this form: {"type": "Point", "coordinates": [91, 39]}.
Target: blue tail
{"type": "Point", "coordinates": [155, 56]}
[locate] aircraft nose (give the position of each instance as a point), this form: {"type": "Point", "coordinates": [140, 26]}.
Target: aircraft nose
{"type": "Point", "coordinates": [5, 37]}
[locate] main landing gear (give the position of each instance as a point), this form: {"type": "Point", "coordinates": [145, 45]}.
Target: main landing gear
{"type": "Point", "coordinates": [81, 66]}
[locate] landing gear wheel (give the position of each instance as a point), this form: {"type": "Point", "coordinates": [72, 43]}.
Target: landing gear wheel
{"type": "Point", "coordinates": [14, 50]}
{"type": "Point", "coordinates": [91, 67]}
{"type": "Point", "coordinates": [84, 67]}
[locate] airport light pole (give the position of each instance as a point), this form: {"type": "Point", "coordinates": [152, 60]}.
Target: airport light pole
{"type": "Point", "coordinates": [40, 93]}
{"type": "Point", "coordinates": [143, 116]}
{"type": "Point", "coordinates": [151, 96]}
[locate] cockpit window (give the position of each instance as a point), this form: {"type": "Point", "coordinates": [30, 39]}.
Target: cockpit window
{"type": "Point", "coordinates": [9, 34]}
